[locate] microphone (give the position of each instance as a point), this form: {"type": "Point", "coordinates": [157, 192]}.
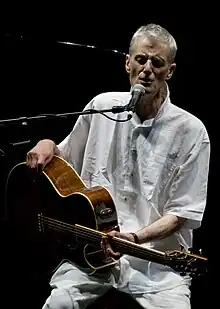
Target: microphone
{"type": "Point", "coordinates": [137, 92]}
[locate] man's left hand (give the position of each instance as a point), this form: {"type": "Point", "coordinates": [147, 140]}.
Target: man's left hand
{"type": "Point", "coordinates": [106, 243]}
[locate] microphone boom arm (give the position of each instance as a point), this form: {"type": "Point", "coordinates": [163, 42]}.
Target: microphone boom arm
{"type": "Point", "coordinates": [23, 120]}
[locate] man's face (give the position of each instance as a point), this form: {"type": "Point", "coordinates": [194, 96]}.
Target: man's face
{"type": "Point", "coordinates": [148, 64]}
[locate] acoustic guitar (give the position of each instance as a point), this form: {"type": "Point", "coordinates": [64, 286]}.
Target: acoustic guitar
{"type": "Point", "coordinates": [64, 219]}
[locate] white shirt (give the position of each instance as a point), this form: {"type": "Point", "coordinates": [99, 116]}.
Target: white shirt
{"type": "Point", "coordinates": [152, 168]}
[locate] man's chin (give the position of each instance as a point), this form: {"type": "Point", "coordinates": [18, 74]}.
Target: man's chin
{"type": "Point", "coordinates": [150, 90]}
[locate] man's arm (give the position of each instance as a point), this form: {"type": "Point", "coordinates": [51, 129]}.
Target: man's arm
{"type": "Point", "coordinates": [186, 198]}
{"type": "Point", "coordinates": [162, 228]}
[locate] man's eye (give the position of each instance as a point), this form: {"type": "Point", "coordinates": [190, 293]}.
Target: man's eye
{"type": "Point", "coordinates": [141, 60]}
{"type": "Point", "coordinates": [157, 63]}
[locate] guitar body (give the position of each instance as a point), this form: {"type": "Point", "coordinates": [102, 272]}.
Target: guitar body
{"type": "Point", "coordinates": [41, 211]}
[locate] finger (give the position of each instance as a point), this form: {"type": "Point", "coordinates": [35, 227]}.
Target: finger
{"type": "Point", "coordinates": [42, 159]}
{"type": "Point", "coordinates": [111, 253]}
{"type": "Point", "coordinates": [32, 160]}
{"type": "Point", "coordinates": [106, 246]}
{"type": "Point", "coordinates": [108, 251]}
{"type": "Point", "coordinates": [115, 255]}
{"type": "Point", "coordinates": [113, 234]}
{"type": "Point", "coordinates": [39, 168]}
{"type": "Point", "coordinates": [28, 159]}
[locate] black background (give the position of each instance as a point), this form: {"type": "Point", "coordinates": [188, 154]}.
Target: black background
{"type": "Point", "coordinates": [39, 74]}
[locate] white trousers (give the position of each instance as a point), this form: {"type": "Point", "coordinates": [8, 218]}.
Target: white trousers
{"type": "Point", "coordinates": [74, 288]}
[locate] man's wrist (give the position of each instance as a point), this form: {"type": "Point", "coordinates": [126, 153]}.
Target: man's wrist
{"type": "Point", "coordinates": [136, 240]}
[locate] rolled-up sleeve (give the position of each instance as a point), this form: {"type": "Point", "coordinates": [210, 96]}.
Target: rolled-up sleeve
{"type": "Point", "coordinates": [188, 192]}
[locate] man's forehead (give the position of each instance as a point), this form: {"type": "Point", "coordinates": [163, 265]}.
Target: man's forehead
{"type": "Point", "coordinates": [151, 45]}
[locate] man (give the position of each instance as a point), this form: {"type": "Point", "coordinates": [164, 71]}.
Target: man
{"type": "Point", "coordinates": [156, 167]}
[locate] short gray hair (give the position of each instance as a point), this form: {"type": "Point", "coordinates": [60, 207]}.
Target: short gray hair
{"type": "Point", "coordinates": [158, 32]}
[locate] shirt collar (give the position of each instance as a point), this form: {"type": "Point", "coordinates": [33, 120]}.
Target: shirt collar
{"type": "Point", "coordinates": [149, 122]}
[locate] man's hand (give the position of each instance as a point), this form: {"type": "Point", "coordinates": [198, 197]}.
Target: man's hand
{"type": "Point", "coordinates": [106, 243]}
{"type": "Point", "coordinates": [41, 154]}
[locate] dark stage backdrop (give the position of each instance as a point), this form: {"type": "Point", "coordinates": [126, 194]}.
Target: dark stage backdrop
{"type": "Point", "coordinates": [43, 75]}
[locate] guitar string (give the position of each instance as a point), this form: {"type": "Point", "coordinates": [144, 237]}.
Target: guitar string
{"type": "Point", "coordinates": [66, 227]}
{"type": "Point", "coordinates": [90, 234]}
{"type": "Point", "coordinates": [140, 253]}
{"type": "Point", "coordinates": [184, 265]}
{"type": "Point", "coordinates": [180, 265]}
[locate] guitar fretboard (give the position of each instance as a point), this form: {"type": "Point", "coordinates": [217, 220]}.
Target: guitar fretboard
{"type": "Point", "coordinates": [93, 236]}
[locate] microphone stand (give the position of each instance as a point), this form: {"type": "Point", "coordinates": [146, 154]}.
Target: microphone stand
{"type": "Point", "coordinates": [23, 120]}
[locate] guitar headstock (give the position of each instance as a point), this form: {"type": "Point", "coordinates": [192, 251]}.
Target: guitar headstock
{"type": "Point", "coordinates": [188, 263]}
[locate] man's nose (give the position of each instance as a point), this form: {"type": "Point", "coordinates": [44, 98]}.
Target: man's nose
{"type": "Point", "coordinates": [148, 66]}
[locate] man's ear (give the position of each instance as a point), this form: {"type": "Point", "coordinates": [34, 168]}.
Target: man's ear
{"type": "Point", "coordinates": [170, 71]}
{"type": "Point", "coordinates": [127, 63]}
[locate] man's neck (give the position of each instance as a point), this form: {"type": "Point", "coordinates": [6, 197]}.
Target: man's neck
{"type": "Point", "coordinates": [148, 107]}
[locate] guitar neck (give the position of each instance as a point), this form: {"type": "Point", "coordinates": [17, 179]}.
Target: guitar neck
{"type": "Point", "coordinates": [94, 237]}
{"type": "Point", "coordinates": [123, 246]}
{"type": "Point", "coordinates": [178, 260]}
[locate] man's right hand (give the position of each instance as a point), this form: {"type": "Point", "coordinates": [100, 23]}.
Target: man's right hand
{"type": "Point", "coordinates": [41, 154]}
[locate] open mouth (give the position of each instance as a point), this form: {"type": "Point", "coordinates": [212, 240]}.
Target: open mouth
{"type": "Point", "coordinates": [145, 82]}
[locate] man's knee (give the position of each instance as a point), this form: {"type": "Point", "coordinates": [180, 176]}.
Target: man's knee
{"type": "Point", "coordinates": [59, 299]}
